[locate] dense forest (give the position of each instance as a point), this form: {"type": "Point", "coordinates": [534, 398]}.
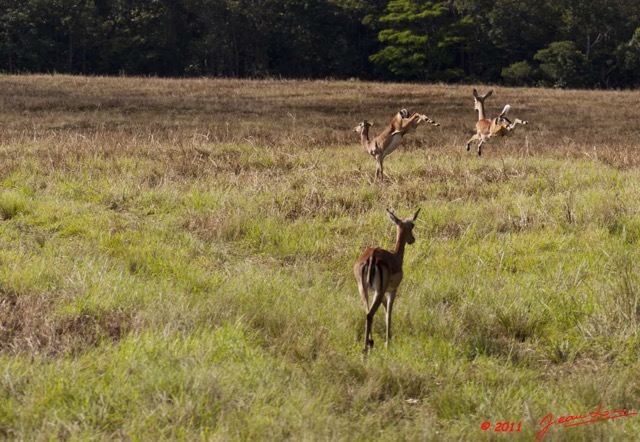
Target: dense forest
{"type": "Point", "coordinates": [556, 43]}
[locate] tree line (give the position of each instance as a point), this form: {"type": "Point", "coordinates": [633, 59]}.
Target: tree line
{"type": "Point", "coordinates": [556, 43]}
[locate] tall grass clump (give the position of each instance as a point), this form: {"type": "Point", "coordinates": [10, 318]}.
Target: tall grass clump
{"type": "Point", "coordinates": [12, 204]}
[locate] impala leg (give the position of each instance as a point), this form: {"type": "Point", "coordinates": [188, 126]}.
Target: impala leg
{"type": "Point", "coordinates": [410, 124]}
{"type": "Point", "coordinates": [364, 294]}
{"type": "Point", "coordinates": [430, 121]}
{"type": "Point", "coordinates": [388, 307]}
{"type": "Point", "coordinates": [516, 122]}
{"type": "Point", "coordinates": [396, 121]}
{"type": "Point", "coordinates": [368, 334]}
{"type": "Point", "coordinates": [379, 167]}
{"type": "Point", "coordinates": [480, 147]}
{"type": "Point", "coordinates": [403, 124]}
{"type": "Point", "coordinates": [368, 342]}
{"type": "Point", "coordinates": [473, 138]}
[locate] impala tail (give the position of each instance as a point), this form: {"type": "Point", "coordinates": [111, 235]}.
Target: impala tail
{"type": "Point", "coordinates": [373, 273]}
{"type": "Point", "coordinates": [505, 111]}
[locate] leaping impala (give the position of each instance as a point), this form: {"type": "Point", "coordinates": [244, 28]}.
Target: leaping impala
{"type": "Point", "coordinates": [391, 137]}
{"type": "Point", "coordinates": [381, 271]}
{"type": "Point", "coordinates": [487, 129]}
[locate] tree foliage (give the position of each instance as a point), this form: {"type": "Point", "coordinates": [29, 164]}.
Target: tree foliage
{"type": "Point", "coordinates": [564, 43]}
{"type": "Point", "coordinates": [561, 64]}
{"type": "Point", "coordinates": [420, 39]}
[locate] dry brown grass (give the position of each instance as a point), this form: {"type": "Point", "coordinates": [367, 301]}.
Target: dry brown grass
{"type": "Point", "coordinates": [138, 113]}
{"type": "Point", "coordinates": [28, 326]}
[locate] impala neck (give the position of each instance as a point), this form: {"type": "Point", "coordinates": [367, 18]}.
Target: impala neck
{"type": "Point", "coordinates": [364, 136]}
{"type": "Point", "coordinates": [398, 249]}
{"type": "Point", "coordinates": [481, 110]}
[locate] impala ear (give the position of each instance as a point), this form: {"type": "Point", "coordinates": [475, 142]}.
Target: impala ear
{"type": "Point", "coordinates": [415, 216]}
{"type": "Point", "coordinates": [489, 94]}
{"type": "Point", "coordinates": [475, 93]}
{"type": "Point", "coordinates": [395, 220]}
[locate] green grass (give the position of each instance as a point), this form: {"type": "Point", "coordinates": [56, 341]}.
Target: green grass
{"type": "Point", "coordinates": [164, 276]}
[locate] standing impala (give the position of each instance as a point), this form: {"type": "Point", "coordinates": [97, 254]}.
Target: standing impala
{"type": "Point", "coordinates": [487, 129]}
{"type": "Point", "coordinates": [391, 137]}
{"type": "Point", "coordinates": [381, 271]}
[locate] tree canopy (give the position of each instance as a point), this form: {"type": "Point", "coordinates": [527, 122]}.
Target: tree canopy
{"type": "Point", "coordinates": [558, 43]}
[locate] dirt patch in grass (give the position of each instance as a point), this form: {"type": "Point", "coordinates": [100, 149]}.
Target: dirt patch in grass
{"type": "Point", "coordinates": [29, 324]}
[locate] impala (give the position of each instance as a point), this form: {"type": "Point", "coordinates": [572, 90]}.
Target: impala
{"type": "Point", "coordinates": [487, 129]}
{"type": "Point", "coordinates": [391, 137]}
{"type": "Point", "coordinates": [381, 271]}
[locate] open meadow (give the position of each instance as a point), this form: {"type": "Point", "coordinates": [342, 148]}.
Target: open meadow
{"type": "Point", "coordinates": [176, 262]}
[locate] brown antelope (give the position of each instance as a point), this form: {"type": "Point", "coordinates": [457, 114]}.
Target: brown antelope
{"type": "Point", "coordinates": [381, 271]}
{"type": "Point", "coordinates": [391, 137]}
{"type": "Point", "coordinates": [488, 129]}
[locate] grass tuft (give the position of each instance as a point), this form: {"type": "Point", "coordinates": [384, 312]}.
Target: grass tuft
{"type": "Point", "coordinates": [12, 204]}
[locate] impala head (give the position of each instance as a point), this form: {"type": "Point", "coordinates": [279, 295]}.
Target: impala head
{"type": "Point", "coordinates": [478, 101]}
{"type": "Point", "coordinates": [405, 227]}
{"type": "Point", "coordinates": [363, 127]}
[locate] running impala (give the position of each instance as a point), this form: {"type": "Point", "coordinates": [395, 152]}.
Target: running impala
{"type": "Point", "coordinates": [390, 138]}
{"type": "Point", "coordinates": [486, 129]}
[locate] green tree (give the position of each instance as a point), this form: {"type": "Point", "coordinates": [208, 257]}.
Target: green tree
{"type": "Point", "coordinates": [628, 57]}
{"type": "Point", "coordinates": [228, 37]}
{"type": "Point", "coordinates": [473, 40]}
{"type": "Point", "coordinates": [597, 28]}
{"type": "Point", "coordinates": [507, 31]}
{"type": "Point", "coordinates": [420, 40]}
{"type": "Point", "coordinates": [290, 38]}
{"type": "Point", "coordinates": [362, 28]}
{"type": "Point", "coordinates": [41, 36]}
{"type": "Point", "coordinates": [520, 73]}
{"type": "Point", "coordinates": [562, 64]}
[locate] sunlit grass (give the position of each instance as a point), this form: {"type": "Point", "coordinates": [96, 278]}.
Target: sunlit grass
{"type": "Point", "coordinates": [175, 263]}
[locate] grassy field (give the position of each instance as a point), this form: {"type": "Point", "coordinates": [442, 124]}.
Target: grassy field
{"type": "Point", "coordinates": [176, 262]}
